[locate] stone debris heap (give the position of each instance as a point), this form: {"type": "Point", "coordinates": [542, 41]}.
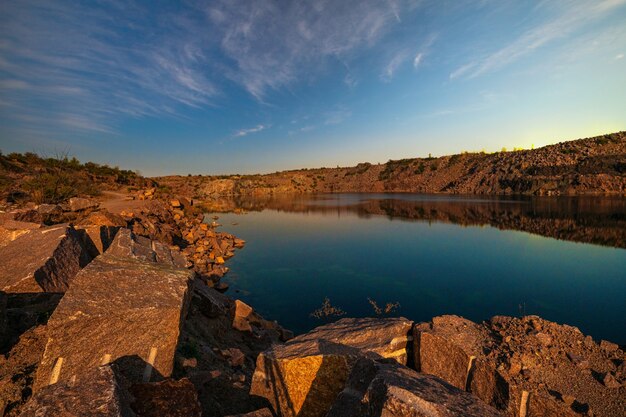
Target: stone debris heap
{"type": "Point", "coordinates": [525, 366]}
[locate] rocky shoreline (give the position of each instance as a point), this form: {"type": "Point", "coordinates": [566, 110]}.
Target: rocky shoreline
{"type": "Point", "coordinates": [122, 314]}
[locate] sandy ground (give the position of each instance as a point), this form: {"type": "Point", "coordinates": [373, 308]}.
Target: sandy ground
{"type": "Point", "coordinates": [116, 202]}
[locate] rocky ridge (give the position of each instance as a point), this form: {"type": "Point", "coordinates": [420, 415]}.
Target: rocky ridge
{"type": "Point", "coordinates": [586, 166]}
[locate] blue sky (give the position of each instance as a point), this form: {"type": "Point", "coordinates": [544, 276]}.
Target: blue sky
{"type": "Point", "coordinates": [232, 86]}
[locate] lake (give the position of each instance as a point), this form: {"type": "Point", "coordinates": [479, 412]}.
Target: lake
{"type": "Point", "coordinates": [563, 259]}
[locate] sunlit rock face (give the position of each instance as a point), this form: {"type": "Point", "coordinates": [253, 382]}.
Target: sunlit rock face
{"type": "Point", "coordinates": [42, 260]}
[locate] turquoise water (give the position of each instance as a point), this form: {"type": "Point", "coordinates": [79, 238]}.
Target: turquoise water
{"type": "Point", "coordinates": [433, 255]}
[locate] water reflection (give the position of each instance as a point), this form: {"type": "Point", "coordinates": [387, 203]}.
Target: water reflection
{"type": "Point", "coordinates": [596, 220]}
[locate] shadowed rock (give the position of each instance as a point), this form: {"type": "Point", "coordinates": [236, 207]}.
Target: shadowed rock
{"type": "Point", "coordinates": [117, 307]}
{"type": "Point", "coordinates": [387, 389]}
{"type": "Point", "coordinates": [97, 395]}
{"type": "Point", "coordinates": [264, 412]}
{"type": "Point", "coordinates": [45, 259]}
{"type": "Point", "coordinates": [169, 398]}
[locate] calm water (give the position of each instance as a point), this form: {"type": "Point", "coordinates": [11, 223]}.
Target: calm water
{"type": "Point", "coordinates": [434, 255]}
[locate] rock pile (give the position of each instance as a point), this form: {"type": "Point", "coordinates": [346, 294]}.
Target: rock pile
{"type": "Point", "coordinates": [181, 224]}
{"type": "Point", "coordinates": [525, 366]}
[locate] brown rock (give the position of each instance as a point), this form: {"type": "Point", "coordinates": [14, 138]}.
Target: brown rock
{"type": "Point", "coordinates": [127, 244]}
{"type": "Point", "coordinates": [45, 259]}
{"type": "Point", "coordinates": [126, 311]}
{"type": "Point", "coordinates": [99, 394]}
{"type": "Point", "coordinates": [12, 229]}
{"type": "Point", "coordinates": [264, 412]}
{"type": "Point", "coordinates": [169, 398]}
{"type": "Point", "coordinates": [391, 390]}
{"type": "Point", "coordinates": [609, 381]}
{"type": "Point", "coordinates": [81, 204]}
{"type": "Point", "coordinates": [608, 346]}
{"type": "Point", "coordinates": [447, 348]}
{"type": "Point", "coordinates": [175, 203]}
{"type": "Point", "coordinates": [103, 218]}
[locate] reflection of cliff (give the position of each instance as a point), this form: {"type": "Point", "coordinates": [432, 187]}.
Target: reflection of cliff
{"type": "Point", "coordinates": [594, 220]}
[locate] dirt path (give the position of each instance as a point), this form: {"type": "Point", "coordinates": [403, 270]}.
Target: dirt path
{"type": "Point", "coordinates": [117, 202]}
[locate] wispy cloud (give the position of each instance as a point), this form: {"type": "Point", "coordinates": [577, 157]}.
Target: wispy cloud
{"type": "Point", "coordinates": [245, 132]}
{"type": "Point", "coordinates": [568, 17]}
{"type": "Point", "coordinates": [619, 56]}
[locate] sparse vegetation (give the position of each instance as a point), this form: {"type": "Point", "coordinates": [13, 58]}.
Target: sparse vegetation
{"type": "Point", "coordinates": [327, 310]}
{"type": "Point", "coordinates": [388, 309]}
{"type": "Point", "coordinates": [30, 177]}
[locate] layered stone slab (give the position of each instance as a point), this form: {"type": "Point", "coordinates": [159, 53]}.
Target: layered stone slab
{"type": "Point", "coordinates": [118, 309]}
{"type": "Point", "coordinates": [387, 337]}
{"type": "Point", "coordinates": [45, 259]}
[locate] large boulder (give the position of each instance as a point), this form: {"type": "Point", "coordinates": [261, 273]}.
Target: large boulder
{"type": "Point", "coordinates": [523, 366]}
{"type": "Point", "coordinates": [304, 376]}
{"type": "Point", "coordinates": [99, 394]}
{"type": "Point", "coordinates": [391, 390]}
{"type": "Point", "coordinates": [118, 309]}
{"type": "Point", "coordinates": [45, 259]}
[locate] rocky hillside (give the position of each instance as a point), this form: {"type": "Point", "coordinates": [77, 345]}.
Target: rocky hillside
{"type": "Point", "coordinates": [586, 166]}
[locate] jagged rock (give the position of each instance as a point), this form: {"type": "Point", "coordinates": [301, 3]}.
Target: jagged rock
{"type": "Point", "coordinates": [169, 398]}
{"type": "Point", "coordinates": [123, 309]}
{"type": "Point", "coordinates": [45, 259]}
{"type": "Point", "coordinates": [523, 366]}
{"type": "Point", "coordinates": [126, 243]}
{"type": "Point", "coordinates": [387, 337]}
{"type": "Point", "coordinates": [304, 376]}
{"type": "Point", "coordinates": [80, 204]}
{"type": "Point", "coordinates": [99, 394]}
{"type": "Point", "coordinates": [264, 412]}
{"type": "Point", "coordinates": [391, 390]}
